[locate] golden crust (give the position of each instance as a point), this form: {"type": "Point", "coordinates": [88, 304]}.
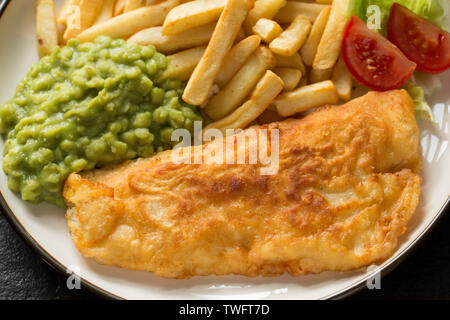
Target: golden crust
{"type": "Point", "coordinates": [348, 183]}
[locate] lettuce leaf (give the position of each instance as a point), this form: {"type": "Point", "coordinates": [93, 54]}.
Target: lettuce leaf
{"type": "Point", "coordinates": [432, 10]}
{"type": "Point", "coordinates": [421, 106]}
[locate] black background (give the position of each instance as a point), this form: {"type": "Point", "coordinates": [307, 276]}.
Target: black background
{"type": "Point", "coordinates": [423, 275]}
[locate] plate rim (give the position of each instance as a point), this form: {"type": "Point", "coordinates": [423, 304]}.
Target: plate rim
{"type": "Point", "coordinates": [351, 289]}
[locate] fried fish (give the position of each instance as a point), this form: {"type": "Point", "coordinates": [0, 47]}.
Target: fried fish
{"type": "Point", "coordinates": [347, 185]}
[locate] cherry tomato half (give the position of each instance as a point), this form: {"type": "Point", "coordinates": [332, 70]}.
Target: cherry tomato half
{"type": "Point", "coordinates": [372, 59]}
{"type": "Point", "coordinates": [419, 39]}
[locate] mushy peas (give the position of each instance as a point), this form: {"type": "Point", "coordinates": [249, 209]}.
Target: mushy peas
{"type": "Point", "coordinates": [84, 106]}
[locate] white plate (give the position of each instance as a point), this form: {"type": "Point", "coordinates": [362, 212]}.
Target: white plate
{"type": "Point", "coordinates": [45, 229]}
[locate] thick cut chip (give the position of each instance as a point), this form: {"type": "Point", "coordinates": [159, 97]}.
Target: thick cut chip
{"type": "Point", "coordinates": [181, 64]}
{"type": "Point", "coordinates": [241, 85]}
{"type": "Point", "coordinates": [291, 77]}
{"type": "Point", "coordinates": [343, 80]}
{"type": "Point", "coordinates": [295, 61]}
{"type": "Point", "coordinates": [129, 23]}
{"type": "Point", "coordinates": [318, 75]}
{"type": "Point", "coordinates": [67, 10]}
{"type": "Point", "coordinates": [291, 40]}
{"type": "Point", "coordinates": [192, 14]}
{"type": "Point", "coordinates": [309, 49]}
{"type": "Point", "coordinates": [46, 28]}
{"type": "Point", "coordinates": [263, 9]}
{"type": "Point", "coordinates": [329, 48]}
{"type": "Point", "coordinates": [265, 92]}
{"type": "Point", "coordinates": [107, 12]}
{"type": "Point", "coordinates": [224, 35]}
{"type": "Point", "coordinates": [190, 38]}
{"type": "Point", "coordinates": [306, 98]}
{"type": "Point", "coordinates": [236, 58]}
{"type": "Point", "coordinates": [292, 9]}
{"type": "Point", "coordinates": [82, 17]}
{"type": "Point", "coordinates": [267, 29]}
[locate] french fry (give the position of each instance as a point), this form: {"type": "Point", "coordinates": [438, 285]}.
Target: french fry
{"type": "Point", "coordinates": [318, 75]}
{"type": "Point", "coordinates": [267, 29]}
{"type": "Point", "coordinates": [307, 97]}
{"type": "Point", "coordinates": [46, 28]}
{"type": "Point", "coordinates": [192, 14]}
{"type": "Point", "coordinates": [205, 73]}
{"type": "Point", "coordinates": [262, 9]}
{"type": "Point", "coordinates": [129, 23]}
{"type": "Point", "coordinates": [84, 18]}
{"type": "Point", "coordinates": [291, 77]}
{"type": "Point", "coordinates": [166, 44]}
{"type": "Point", "coordinates": [292, 9]}
{"type": "Point", "coordinates": [267, 89]}
{"type": "Point", "coordinates": [66, 10]}
{"type": "Point", "coordinates": [107, 12]}
{"type": "Point", "coordinates": [291, 40]}
{"type": "Point", "coordinates": [235, 92]}
{"type": "Point", "coordinates": [236, 58]}
{"type": "Point", "coordinates": [294, 61]}
{"type": "Point", "coordinates": [131, 5]}
{"type": "Point", "coordinates": [324, 1]}
{"type": "Point", "coordinates": [181, 64]}
{"type": "Point", "coordinates": [119, 7]}
{"type": "Point", "coordinates": [309, 49]}
{"type": "Point", "coordinates": [329, 47]}
{"type": "Point", "coordinates": [342, 79]}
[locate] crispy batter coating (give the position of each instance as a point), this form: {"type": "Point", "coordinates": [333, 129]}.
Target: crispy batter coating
{"type": "Point", "coordinates": [348, 183]}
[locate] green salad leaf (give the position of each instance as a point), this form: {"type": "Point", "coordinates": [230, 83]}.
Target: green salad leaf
{"type": "Point", "coordinates": [421, 106]}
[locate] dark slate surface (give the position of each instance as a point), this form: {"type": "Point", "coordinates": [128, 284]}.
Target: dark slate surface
{"type": "Point", "coordinates": [424, 275]}
{"type": "Point", "coordinates": [24, 275]}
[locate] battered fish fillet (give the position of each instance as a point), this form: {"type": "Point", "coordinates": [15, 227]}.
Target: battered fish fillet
{"type": "Point", "coordinates": [347, 185]}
